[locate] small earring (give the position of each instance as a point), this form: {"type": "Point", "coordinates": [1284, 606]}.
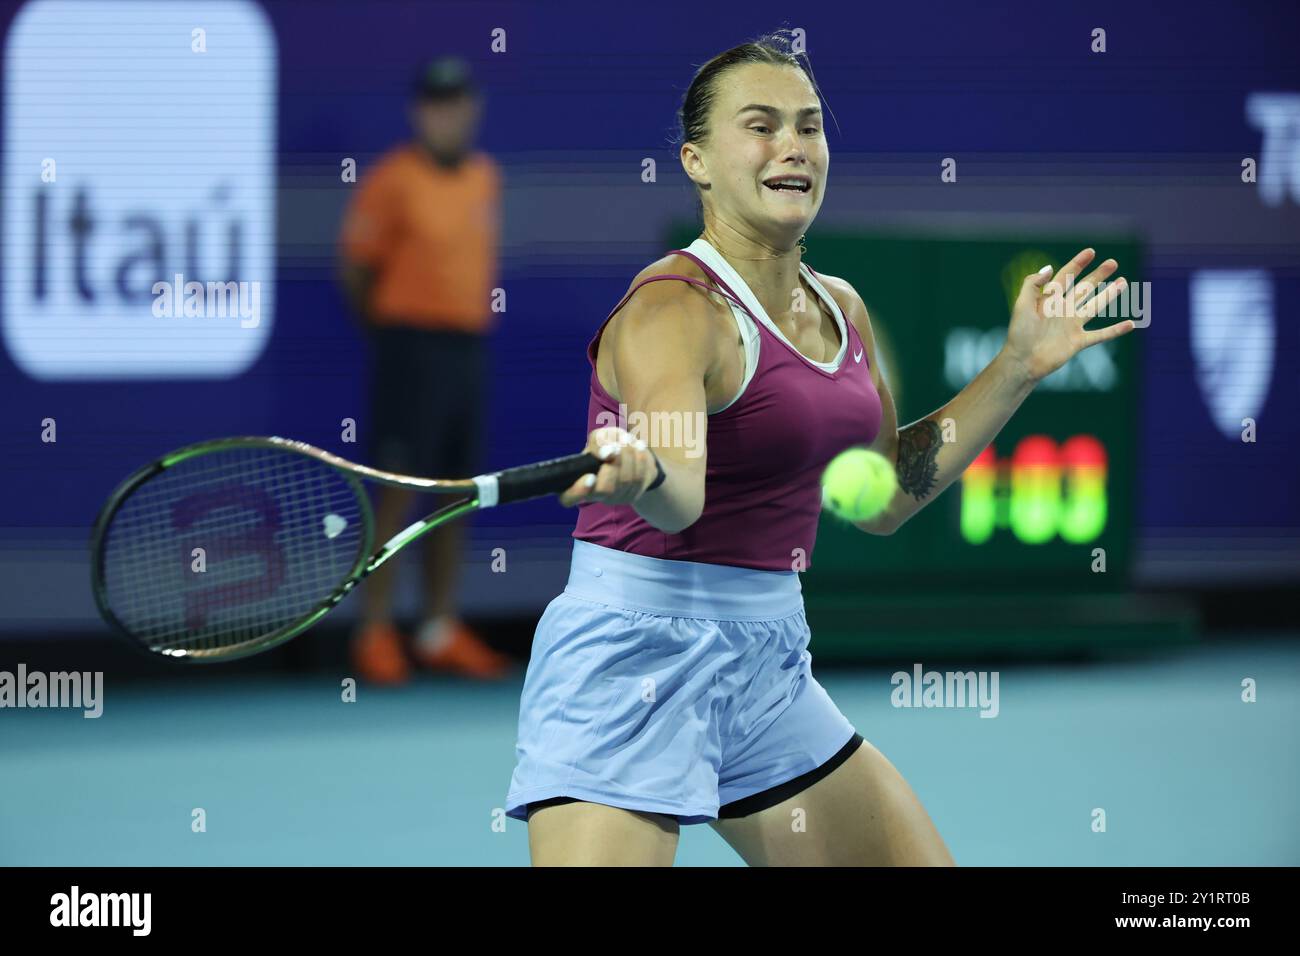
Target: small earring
{"type": "Point", "coordinates": [803, 250]}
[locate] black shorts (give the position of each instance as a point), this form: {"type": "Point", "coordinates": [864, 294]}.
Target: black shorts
{"type": "Point", "coordinates": [427, 394]}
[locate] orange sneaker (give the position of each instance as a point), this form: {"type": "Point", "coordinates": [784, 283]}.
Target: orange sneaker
{"type": "Point", "coordinates": [379, 656]}
{"type": "Point", "coordinates": [464, 652]}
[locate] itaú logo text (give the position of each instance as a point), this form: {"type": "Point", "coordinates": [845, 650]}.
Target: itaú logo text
{"type": "Point", "coordinates": [126, 163]}
{"type": "Point", "coordinates": [1043, 490]}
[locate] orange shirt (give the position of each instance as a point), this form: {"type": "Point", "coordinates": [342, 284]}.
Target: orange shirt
{"type": "Point", "coordinates": [431, 236]}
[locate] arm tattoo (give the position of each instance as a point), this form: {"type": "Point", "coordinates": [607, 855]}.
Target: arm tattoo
{"type": "Point", "coordinates": [918, 446]}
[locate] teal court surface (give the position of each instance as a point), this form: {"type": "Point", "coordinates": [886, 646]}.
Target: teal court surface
{"type": "Point", "coordinates": [288, 774]}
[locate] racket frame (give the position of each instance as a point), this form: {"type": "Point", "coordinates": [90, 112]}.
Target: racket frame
{"type": "Point", "coordinates": [482, 491]}
{"type": "Point", "coordinates": [368, 559]}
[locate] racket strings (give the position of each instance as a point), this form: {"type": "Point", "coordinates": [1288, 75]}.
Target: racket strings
{"type": "Point", "coordinates": [279, 532]}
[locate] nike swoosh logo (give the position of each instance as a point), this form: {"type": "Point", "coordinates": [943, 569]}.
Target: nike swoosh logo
{"type": "Point", "coordinates": [857, 356]}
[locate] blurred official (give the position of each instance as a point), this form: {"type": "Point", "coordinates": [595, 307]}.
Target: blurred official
{"type": "Point", "coordinates": [419, 245]}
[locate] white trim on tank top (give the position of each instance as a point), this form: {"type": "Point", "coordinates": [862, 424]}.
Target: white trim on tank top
{"type": "Point", "coordinates": [749, 332]}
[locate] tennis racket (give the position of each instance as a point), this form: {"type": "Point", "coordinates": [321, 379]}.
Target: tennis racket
{"type": "Point", "coordinates": [231, 547]}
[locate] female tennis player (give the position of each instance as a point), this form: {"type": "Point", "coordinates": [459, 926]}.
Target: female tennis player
{"type": "Point", "coordinates": [670, 682]}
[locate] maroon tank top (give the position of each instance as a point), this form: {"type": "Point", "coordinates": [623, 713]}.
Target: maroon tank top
{"type": "Point", "coordinates": [766, 453]}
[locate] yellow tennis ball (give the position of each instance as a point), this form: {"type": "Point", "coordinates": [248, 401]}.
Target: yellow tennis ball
{"type": "Point", "coordinates": [858, 484]}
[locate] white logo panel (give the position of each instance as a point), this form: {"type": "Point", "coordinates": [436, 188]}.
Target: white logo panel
{"type": "Point", "coordinates": [139, 155]}
{"type": "Point", "coordinates": [1233, 339]}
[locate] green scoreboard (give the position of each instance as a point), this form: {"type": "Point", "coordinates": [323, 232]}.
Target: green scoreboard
{"type": "Point", "coordinates": [1047, 509]}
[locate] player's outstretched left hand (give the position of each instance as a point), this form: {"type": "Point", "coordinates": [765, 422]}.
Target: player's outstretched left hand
{"type": "Point", "coordinates": [1048, 319]}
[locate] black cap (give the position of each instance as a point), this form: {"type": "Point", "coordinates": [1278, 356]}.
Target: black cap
{"type": "Point", "coordinates": [444, 78]}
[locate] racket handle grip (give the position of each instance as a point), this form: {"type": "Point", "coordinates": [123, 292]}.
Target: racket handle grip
{"type": "Point", "coordinates": [533, 481]}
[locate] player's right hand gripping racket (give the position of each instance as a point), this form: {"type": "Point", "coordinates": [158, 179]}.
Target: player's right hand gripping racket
{"type": "Point", "coordinates": [231, 547]}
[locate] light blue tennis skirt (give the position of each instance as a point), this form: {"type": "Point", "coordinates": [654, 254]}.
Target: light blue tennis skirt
{"type": "Point", "coordinates": [670, 687]}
